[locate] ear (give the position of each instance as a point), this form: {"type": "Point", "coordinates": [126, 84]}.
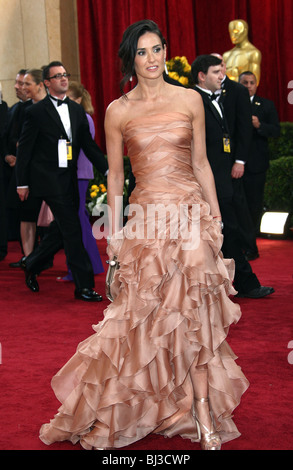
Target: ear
{"type": "Point", "coordinates": [47, 83]}
{"type": "Point", "coordinates": [201, 76]}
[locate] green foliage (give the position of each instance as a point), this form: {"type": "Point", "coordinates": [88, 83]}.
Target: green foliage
{"type": "Point", "coordinates": [279, 179]}
{"type": "Point", "coordinates": [99, 178]}
{"type": "Point", "coordinates": [279, 185]}
{"type": "Point", "coordinates": [283, 145]}
{"type": "Point", "coordinates": [99, 195]}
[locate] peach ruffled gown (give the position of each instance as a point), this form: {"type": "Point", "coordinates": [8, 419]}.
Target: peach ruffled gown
{"type": "Point", "coordinates": [172, 311]}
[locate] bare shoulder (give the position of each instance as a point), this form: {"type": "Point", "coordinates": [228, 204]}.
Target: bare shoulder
{"type": "Point", "coordinates": [193, 96]}
{"type": "Point", "coordinates": [114, 111]}
{"type": "Point", "coordinates": [191, 101]}
{"type": "Point", "coordinates": [119, 112]}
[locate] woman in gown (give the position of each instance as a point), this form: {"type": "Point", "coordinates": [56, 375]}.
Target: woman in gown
{"type": "Point", "coordinates": [159, 361]}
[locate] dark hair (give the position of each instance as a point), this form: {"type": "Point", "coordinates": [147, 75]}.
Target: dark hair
{"type": "Point", "coordinates": [46, 68]}
{"type": "Point", "coordinates": [22, 72]}
{"type": "Point", "coordinates": [246, 73]}
{"type": "Point", "coordinates": [202, 64]}
{"type": "Point", "coordinates": [128, 46]}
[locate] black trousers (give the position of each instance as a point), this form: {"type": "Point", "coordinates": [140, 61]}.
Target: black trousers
{"type": "Point", "coordinates": [64, 232]}
{"type": "Point", "coordinates": [245, 224]}
{"type": "Point", "coordinates": [245, 280]}
{"type": "Point", "coordinates": [254, 186]}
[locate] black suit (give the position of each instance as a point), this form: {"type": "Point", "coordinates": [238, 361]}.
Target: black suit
{"type": "Point", "coordinates": [221, 163]}
{"type": "Point", "coordinates": [237, 107]}
{"type": "Point", "coordinates": [16, 116]}
{"type": "Point", "coordinates": [37, 167]}
{"type": "Point", "coordinates": [258, 160]}
{"type": "Point", "coordinates": [236, 103]}
{"type": "Point", "coordinates": [15, 120]}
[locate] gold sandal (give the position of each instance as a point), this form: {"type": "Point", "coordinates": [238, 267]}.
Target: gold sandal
{"type": "Point", "coordinates": [210, 439]}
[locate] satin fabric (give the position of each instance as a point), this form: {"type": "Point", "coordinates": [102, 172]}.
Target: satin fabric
{"type": "Point", "coordinates": [172, 312]}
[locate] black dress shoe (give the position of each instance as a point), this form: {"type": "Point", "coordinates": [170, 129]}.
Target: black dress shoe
{"type": "Point", "coordinates": [89, 295]}
{"type": "Point", "coordinates": [251, 255]}
{"type": "Point", "coordinates": [31, 281]}
{"type": "Point", "coordinates": [257, 293]}
{"type": "Point", "coordinates": [18, 264]}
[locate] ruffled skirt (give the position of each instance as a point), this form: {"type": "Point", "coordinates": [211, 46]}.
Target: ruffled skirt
{"type": "Point", "coordinates": [132, 377]}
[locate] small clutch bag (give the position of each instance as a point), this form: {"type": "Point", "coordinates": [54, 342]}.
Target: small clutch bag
{"type": "Point", "coordinates": [113, 266]}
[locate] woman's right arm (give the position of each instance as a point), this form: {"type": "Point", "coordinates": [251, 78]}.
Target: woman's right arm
{"type": "Point", "coordinates": [115, 178]}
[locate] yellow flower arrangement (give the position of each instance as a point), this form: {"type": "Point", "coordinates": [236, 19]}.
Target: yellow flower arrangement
{"type": "Point", "coordinates": [98, 194]}
{"type": "Point", "coordinates": [95, 190]}
{"type": "Point", "coordinates": [98, 197]}
{"type": "Point", "coordinates": [179, 69]}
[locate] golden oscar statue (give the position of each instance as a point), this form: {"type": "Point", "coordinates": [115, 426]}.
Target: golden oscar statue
{"type": "Point", "coordinates": [244, 56]}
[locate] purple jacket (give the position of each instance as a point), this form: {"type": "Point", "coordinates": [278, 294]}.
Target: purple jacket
{"type": "Point", "coordinates": [84, 166]}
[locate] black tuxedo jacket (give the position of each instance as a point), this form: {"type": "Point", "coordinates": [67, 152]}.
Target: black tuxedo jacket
{"type": "Point", "coordinates": [37, 152]}
{"type": "Point", "coordinates": [237, 106]}
{"type": "Point", "coordinates": [221, 162]}
{"type": "Point", "coordinates": [264, 109]}
{"type": "Point", "coordinates": [15, 120]}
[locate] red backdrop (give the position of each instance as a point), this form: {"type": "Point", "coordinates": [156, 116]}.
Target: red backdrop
{"type": "Point", "coordinates": [191, 27]}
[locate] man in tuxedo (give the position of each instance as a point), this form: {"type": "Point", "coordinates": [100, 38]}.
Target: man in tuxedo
{"type": "Point", "coordinates": [266, 124]}
{"type": "Point", "coordinates": [235, 100]}
{"type": "Point", "coordinates": [54, 131]}
{"type": "Point", "coordinates": [207, 75]}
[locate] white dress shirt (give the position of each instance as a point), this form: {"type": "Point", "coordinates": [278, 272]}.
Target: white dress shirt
{"type": "Point", "coordinates": [64, 116]}
{"type": "Point", "coordinates": [215, 102]}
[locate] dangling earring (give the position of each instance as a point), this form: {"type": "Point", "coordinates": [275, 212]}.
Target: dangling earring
{"type": "Point", "coordinates": [130, 79]}
{"type": "Point", "coordinates": [166, 69]}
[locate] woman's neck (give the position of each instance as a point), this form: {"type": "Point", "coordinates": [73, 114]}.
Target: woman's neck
{"type": "Point", "coordinates": [39, 96]}
{"type": "Point", "coordinates": [151, 90]}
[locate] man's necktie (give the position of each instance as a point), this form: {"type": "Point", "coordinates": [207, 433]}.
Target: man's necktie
{"type": "Point", "coordinates": [213, 96]}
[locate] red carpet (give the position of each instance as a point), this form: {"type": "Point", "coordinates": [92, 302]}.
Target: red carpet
{"type": "Point", "coordinates": [39, 332]}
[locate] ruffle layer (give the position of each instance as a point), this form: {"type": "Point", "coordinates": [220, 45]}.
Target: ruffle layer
{"type": "Point", "coordinates": [132, 376]}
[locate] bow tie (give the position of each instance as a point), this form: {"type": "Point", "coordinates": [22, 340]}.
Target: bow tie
{"type": "Point", "coordinates": [213, 97]}
{"type": "Point", "coordinates": [60, 102]}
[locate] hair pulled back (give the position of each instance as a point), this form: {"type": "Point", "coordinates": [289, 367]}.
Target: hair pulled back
{"type": "Point", "coordinates": [128, 46]}
{"type": "Point", "coordinates": [36, 74]}
{"type": "Point", "coordinates": [78, 91]}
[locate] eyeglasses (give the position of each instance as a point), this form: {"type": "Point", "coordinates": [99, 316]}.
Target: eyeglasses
{"type": "Point", "coordinates": [58, 76]}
